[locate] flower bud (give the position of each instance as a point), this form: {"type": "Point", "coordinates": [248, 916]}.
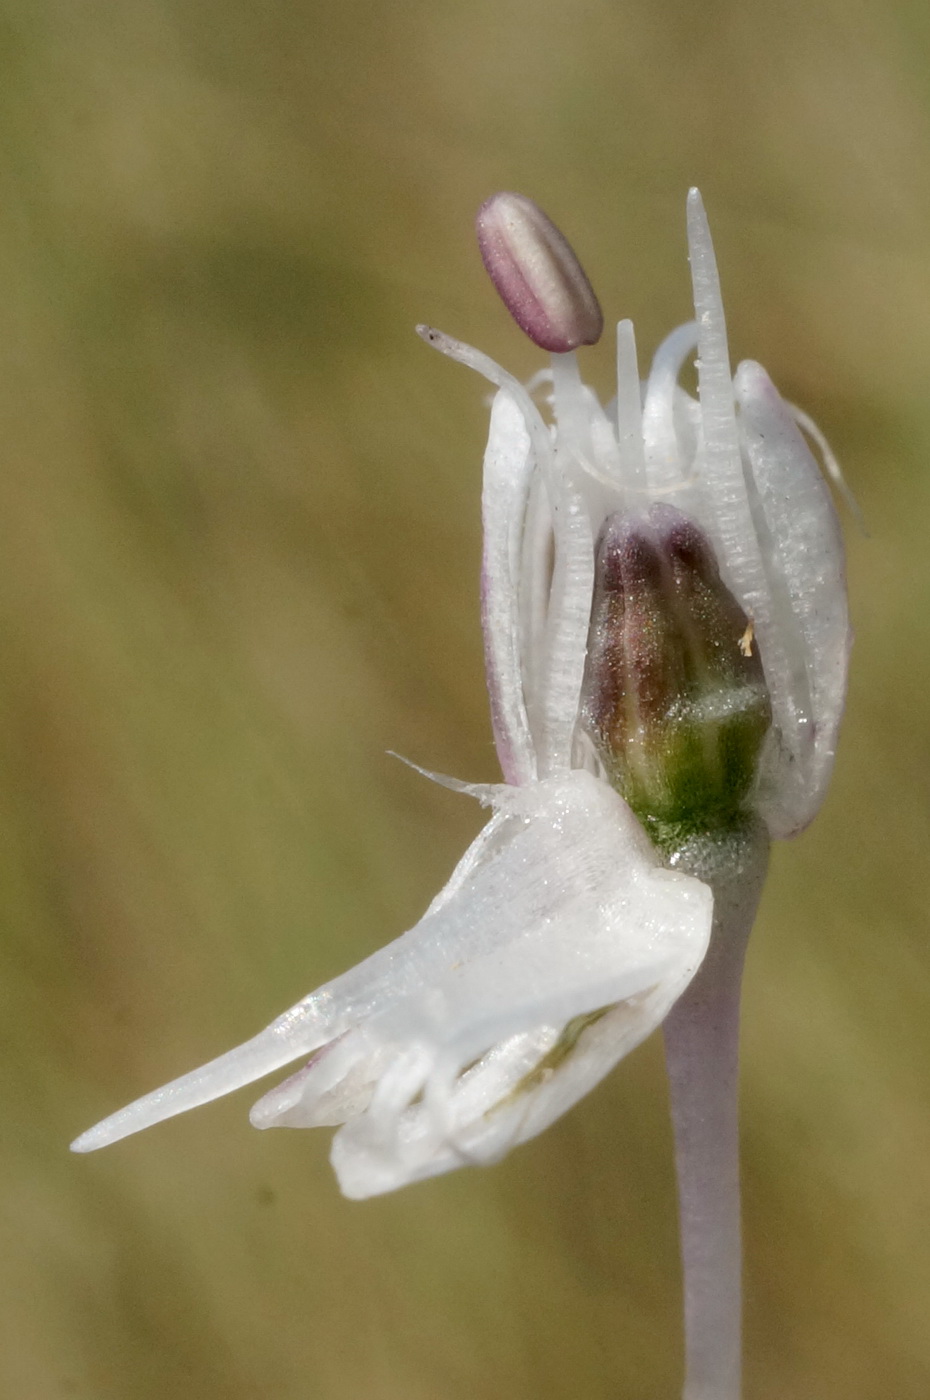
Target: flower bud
{"type": "Point", "coordinates": [675, 699]}
{"type": "Point", "coordinates": [539, 279]}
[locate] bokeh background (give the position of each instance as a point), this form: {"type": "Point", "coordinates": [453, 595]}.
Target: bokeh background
{"type": "Point", "coordinates": [238, 556]}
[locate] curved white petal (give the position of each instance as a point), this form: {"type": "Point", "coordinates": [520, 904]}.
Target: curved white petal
{"type": "Point", "coordinates": [569, 914]}
{"type": "Point", "coordinates": [804, 546]}
{"type": "Point", "coordinates": [731, 512]}
{"type": "Point", "coordinates": [572, 582]}
{"type": "Point", "coordinates": [509, 463]}
{"type": "Point", "coordinates": [558, 908]}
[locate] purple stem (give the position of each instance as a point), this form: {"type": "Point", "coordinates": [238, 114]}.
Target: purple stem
{"type": "Point", "coordinates": [702, 1056]}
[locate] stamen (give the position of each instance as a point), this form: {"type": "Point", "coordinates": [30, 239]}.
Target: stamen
{"type": "Point", "coordinates": [537, 275]}
{"type": "Point", "coordinates": [629, 410]}
{"type": "Point", "coordinates": [571, 411]}
{"type": "Point", "coordinates": [666, 468]}
{"type": "Point", "coordinates": [573, 575]}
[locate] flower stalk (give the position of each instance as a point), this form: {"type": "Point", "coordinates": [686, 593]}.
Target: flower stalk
{"type": "Point", "coordinates": [702, 1057]}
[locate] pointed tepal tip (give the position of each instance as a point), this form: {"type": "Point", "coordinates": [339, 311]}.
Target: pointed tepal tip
{"type": "Point", "coordinates": [705, 278]}
{"type": "Point", "coordinates": [698, 227]}
{"type": "Point", "coordinates": [119, 1125]}
{"type": "Point", "coordinates": [537, 275]}
{"type": "Point", "coordinates": [89, 1141]}
{"type": "Point", "coordinates": [697, 214]}
{"type": "Point", "coordinates": [140, 1114]}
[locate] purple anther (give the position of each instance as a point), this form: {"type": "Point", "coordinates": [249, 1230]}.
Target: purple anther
{"type": "Point", "coordinates": [539, 279]}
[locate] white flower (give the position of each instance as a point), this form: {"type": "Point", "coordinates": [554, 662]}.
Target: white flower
{"type": "Point", "coordinates": [561, 940]}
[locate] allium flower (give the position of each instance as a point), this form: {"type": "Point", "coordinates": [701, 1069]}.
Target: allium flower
{"type": "Point", "coordinates": [666, 640]}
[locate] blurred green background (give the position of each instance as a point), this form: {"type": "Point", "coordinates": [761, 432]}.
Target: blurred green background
{"type": "Point", "coordinates": [239, 525]}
